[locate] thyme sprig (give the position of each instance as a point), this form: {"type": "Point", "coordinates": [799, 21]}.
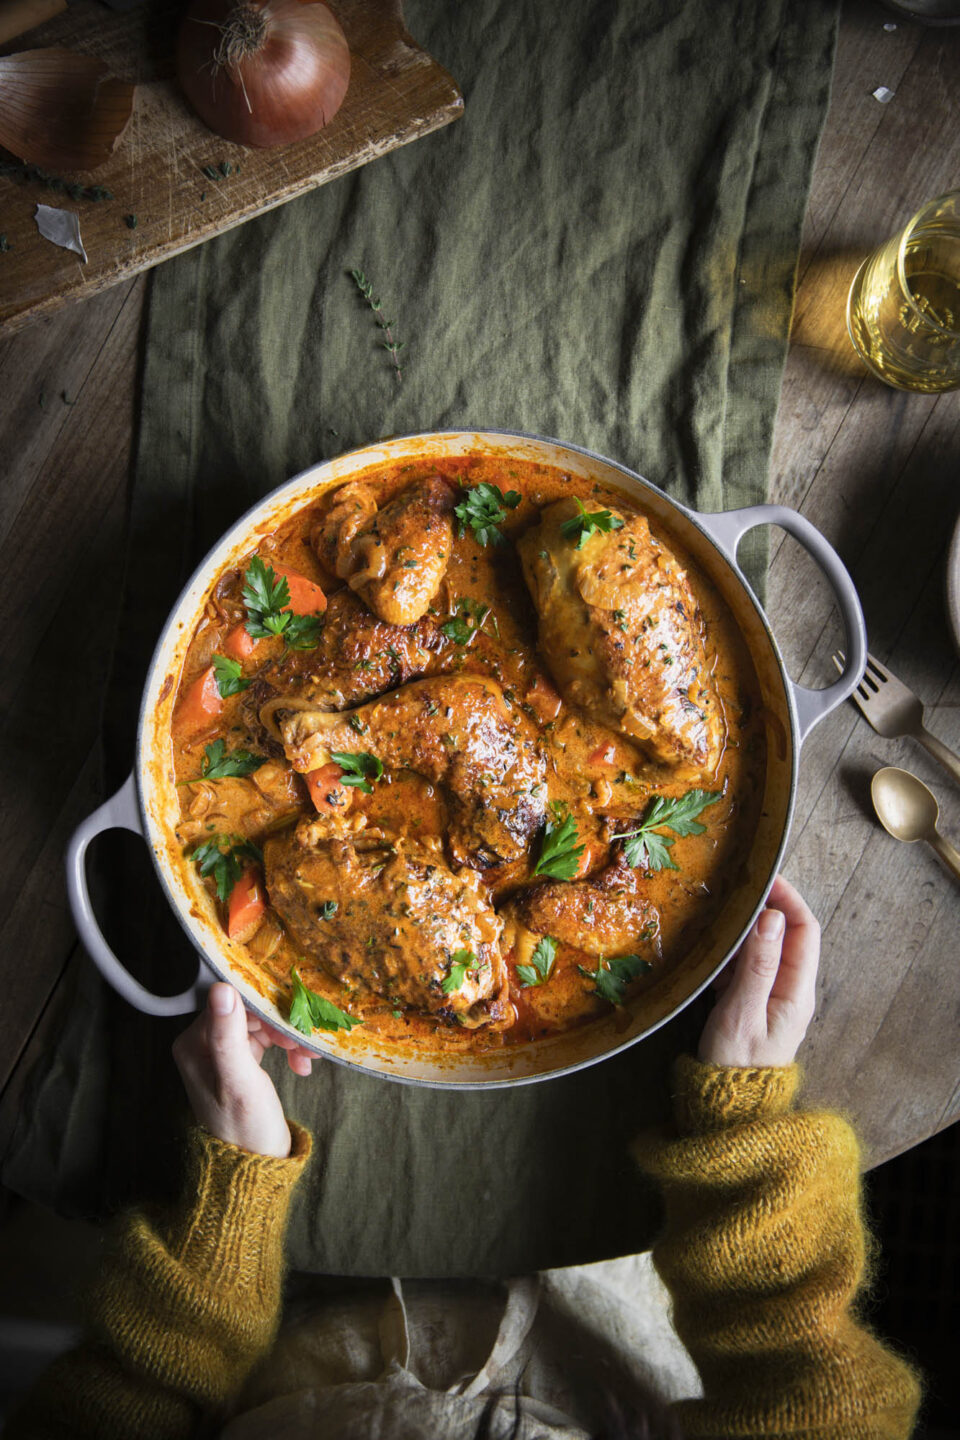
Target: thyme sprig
{"type": "Point", "coordinates": [389, 343]}
{"type": "Point", "coordinates": [17, 170]}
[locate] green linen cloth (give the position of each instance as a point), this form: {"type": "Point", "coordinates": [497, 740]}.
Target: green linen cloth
{"type": "Point", "coordinates": [603, 250]}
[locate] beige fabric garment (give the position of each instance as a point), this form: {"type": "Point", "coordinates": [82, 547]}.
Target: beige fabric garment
{"type": "Point", "coordinates": [424, 1358]}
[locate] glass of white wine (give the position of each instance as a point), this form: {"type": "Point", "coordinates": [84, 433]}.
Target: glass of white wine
{"type": "Point", "coordinates": [903, 312]}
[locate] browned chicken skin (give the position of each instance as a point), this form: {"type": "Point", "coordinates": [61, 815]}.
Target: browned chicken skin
{"type": "Point", "coordinates": [458, 732]}
{"type": "Point", "coordinates": [395, 558]}
{"type": "Point", "coordinates": [357, 657]}
{"type": "Point", "coordinates": [623, 636]}
{"type": "Point", "coordinates": [605, 915]}
{"type": "Point", "coordinates": [389, 920]}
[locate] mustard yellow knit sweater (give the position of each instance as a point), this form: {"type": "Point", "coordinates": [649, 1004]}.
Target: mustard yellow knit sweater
{"type": "Point", "coordinates": [763, 1251]}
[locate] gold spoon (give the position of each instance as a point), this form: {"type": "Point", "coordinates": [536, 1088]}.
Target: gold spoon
{"type": "Point", "coordinates": [909, 811]}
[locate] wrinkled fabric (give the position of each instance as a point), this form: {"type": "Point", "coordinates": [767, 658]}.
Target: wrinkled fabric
{"type": "Point", "coordinates": [602, 249]}
{"type": "Point", "coordinates": [427, 1357]}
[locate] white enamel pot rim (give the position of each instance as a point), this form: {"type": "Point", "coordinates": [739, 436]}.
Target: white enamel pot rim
{"type": "Point", "coordinates": [146, 803]}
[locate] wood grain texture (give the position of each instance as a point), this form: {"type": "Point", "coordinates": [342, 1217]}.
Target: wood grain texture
{"type": "Point", "coordinates": [875, 469]}
{"type": "Point", "coordinates": [397, 93]}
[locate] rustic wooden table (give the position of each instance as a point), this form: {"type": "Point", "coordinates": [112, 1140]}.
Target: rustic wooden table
{"type": "Point", "coordinates": [171, 183]}
{"type": "Point", "coordinates": [875, 469]}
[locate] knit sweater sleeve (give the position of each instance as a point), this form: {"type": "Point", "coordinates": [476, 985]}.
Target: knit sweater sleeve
{"type": "Point", "coordinates": [764, 1251]}
{"type": "Point", "coordinates": [184, 1308]}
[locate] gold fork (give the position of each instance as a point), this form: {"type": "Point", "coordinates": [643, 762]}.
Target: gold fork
{"type": "Point", "coordinates": [893, 711]}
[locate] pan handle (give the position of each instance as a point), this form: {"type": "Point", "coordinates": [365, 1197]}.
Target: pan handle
{"type": "Point", "coordinates": [121, 811]}
{"type": "Point", "coordinates": [727, 528]}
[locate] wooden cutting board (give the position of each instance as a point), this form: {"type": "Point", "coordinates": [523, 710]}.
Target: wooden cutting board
{"type": "Point", "coordinates": [160, 172]}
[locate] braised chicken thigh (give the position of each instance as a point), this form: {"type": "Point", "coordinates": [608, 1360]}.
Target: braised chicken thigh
{"type": "Point", "coordinates": [603, 915]}
{"type": "Point", "coordinates": [393, 558]}
{"type": "Point", "coordinates": [357, 658]}
{"type": "Point", "coordinates": [622, 633]}
{"type": "Point", "coordinates": [392, 919]}
{"type": "Point", "coordinates": [458, 732]}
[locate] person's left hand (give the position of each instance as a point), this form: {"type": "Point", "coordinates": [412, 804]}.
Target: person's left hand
{"type": "Point", "coordinates": [218, 1057]}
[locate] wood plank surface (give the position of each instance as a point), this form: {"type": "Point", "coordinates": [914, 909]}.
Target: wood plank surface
{"type": "Point", "coordinates": [875, 469]}
{"type": "Point", "coordinates": [396, 93]}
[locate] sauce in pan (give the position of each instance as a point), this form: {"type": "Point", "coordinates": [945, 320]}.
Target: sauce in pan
{"type": "Point", "coordinates": [466, 765]}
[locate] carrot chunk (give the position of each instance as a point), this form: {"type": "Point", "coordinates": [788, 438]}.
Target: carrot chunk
{"type": "Point", "coordinates": [238, 644]}
{"type": "Point", "coordinates": [544, 699]}
{"type": "Point", "coordinates": [246, 904]}
{"type": "Point", "coordinates": [605, 754]}
{"type": "Point", "coordinates": [201, 704]}
{"type": "Point", "coordinates": [306, 598]}
{"type": "Point", "coordinates": [326, 792]}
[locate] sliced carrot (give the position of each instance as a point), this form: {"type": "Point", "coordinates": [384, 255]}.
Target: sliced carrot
{"type": "Point", "coordinates": [306, 598]}
{"type": "Point", "coordinates": [246, 905]}
{"type": "Point", "coordinates": [238, 644]}
{"type": "Point", "coordinates": [326, 792]}
{"type": "Point", "coordinates": [201, 704]}
{"type": "Point", "coordinates": [545, 699]}
{"type": "Point", "coordinates": [585, 863]}
{"type": "Point", "coordinates": [605, 754]}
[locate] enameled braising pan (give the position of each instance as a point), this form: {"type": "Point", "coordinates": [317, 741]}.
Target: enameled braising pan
{"type": "Point", "coordinates": [148, 805]}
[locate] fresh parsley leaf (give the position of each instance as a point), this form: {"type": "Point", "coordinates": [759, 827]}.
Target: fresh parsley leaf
{"type": "Point", "coordinates": [612, 977]}
{"type": "Point", "coordinates": [457, 630]}
{"type": "Point", "coordinates": [302, 632]}
{"type": "Point", "coordinates": [541, 963]}
{"type": "Point", "coordinates": [584, 524]}
{"type": "Point", "coordinates": [646, 847]}
{"type": "Point", "coordinates": [358, 767]}
{"type": "Point", "coordinates": [460, 629]}
{"type": "Point", "coordinates": [559, 851]}
{"type": "Point", "coordinates": [310, 1011]}
{"type": "Point", "coordinates": [650, 851]}
{"type": "Point", "coordinates": [223, 857]}
{"type": "Point", "coordinates": [264, 591]}
{"type": "Point", "coordinates": [218, 765]}
{"type": "Point", "coordinates": [266, 596]}
{"type": "Point", "coordinates": [460, 962]}
{"type": "Point", "coordinates": [229, 676]}
{"type": "Point", "coordinates": [484, 507]}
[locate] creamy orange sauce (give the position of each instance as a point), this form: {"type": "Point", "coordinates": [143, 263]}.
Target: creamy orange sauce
{"type": "Point", "coordinates": [620, 783]}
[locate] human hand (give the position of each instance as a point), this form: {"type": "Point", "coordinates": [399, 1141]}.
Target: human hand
{"type": "Point", "coordinates": [218, 1057]}
{"type": "Point", "coordinates": [768, 991]}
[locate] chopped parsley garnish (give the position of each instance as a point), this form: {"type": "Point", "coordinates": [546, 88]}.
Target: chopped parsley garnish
{"type": "Point", "coordinates": [359, 768]}
{"type": "Point", "coordinates": [646, 847]}
{"type": "Point", "coordinates": [484, 508]}
{"type": "Point", "coordinates": [541, 963]}
{"type": "Point", "coordinates": [224, 857]}
{"type": "Point", "coordinates": [266, 596]}
{"type": "Point", "coordinates": [328, 909]}
{"type": "Point", "coordinates": [229, 676]}
{"type": "Point", "coordinates": [559, 851]}
{"type": "Point", "coordinates": [467, 621]}
{"type": "Point", "coordinates": [584, 524]}
{"type": "Point", "coordinates": [218, 765]}
{"type": "Point", "coordinates": [460, 962]}
{"type": "Point", "coordinates": [310, 1011]}
{"type": "Point", "coordinates": [611, 977]}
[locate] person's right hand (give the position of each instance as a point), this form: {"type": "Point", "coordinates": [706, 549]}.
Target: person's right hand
{"type": "Point", "coordinates": [768, 991]}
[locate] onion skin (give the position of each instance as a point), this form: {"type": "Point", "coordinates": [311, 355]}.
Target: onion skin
{"type": "Point", "coordinates": [270, 91]}
{"type": "Point", "coordinates": [61, 109]}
